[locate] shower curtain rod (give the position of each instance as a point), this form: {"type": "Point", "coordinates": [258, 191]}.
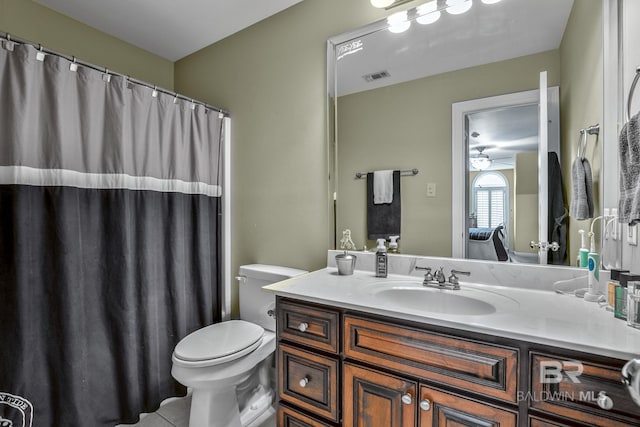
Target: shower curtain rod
{"type": "Point", "coordinates": [8, 38]}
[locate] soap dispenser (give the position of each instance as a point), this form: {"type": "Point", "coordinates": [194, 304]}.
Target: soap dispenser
{"type": "Point", "coordinates": [393, 244]}
{"type": "Point", "coordinates": [381, 259]}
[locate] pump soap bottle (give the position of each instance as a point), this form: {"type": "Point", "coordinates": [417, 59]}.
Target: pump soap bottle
{"type": "Point", "coordinates": [393, 244]}
{"type": "Point", "coordinates": [381, 259]}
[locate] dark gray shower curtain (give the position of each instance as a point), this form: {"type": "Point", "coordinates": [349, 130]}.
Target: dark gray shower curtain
{"type": "Point", "coordinates": [109, 241]}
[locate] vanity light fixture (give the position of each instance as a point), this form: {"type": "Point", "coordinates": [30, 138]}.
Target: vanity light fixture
{"type": "Point", "coordinates": [381, 4]}
{"type": "Point", "coordinates": [490, 1]}
{"type": "Point", "coordinates": [457, 7]}
{"type": "Point", "coordinates": [428, 13]}
{"type": "Point", "coordinates": [480, 161]}
{"type": "Point", "coordinates": [399, 22]}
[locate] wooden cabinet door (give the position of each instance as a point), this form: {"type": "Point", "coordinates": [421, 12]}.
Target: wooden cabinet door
{"type": "Point", "coordinates": [437, 408]}
{"type": "Point", "coordinates": [375, 399]}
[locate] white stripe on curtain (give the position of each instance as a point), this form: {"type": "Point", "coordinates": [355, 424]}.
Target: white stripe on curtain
{"type": "Point", "coordinates": [53, 118]}
{"type": "Point", "coordinates": [24, 175]}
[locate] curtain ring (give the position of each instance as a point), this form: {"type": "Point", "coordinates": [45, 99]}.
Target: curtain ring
{"type": "Point", "coordinates": [40, 54]}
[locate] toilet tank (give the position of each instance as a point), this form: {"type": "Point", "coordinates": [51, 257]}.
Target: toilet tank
{"type": "Point", "coordinates": [255, 303]}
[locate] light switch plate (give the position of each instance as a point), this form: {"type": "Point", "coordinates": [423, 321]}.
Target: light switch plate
{"type": "Point", "coordinates": [431, 189]}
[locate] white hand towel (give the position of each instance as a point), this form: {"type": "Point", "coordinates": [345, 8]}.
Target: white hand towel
{"type": "Point", "coordinates": [382, 187]}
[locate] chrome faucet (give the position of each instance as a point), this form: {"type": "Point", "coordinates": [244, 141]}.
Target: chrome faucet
{"type": "Point", "coordinates": [439, 276]}
{"type": "Point", "coordinates": [439, 280]}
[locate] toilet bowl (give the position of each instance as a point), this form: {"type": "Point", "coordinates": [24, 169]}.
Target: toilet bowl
{"type": "Point", "coordinates": [229, 366]}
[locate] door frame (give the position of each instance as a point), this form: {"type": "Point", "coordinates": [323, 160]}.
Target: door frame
{"type": "Point", "coordinates": [459, 151]}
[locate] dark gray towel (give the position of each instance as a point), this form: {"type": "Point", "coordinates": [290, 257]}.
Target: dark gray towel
{"type": "Point", "coordinates": [629, 158]}
{"type": "Point", "coordinates": [581, 207]}
{"type": "Point", "coordinates": [383, 220]}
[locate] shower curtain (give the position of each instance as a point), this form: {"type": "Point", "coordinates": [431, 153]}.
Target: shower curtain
{"type": "Point", "coordinates": [109, 240]}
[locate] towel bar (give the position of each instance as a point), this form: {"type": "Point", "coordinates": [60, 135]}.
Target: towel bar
{"type": "Point", "coordinates": [405, 172]}
{"type": "Point", "coordinates": [631, 91]}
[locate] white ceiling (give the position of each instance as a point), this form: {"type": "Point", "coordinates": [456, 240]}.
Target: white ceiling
{"type": "Point", "coordinates": [504, 132]}
{"type": "Point", "coordinates": [487, 33]}
{"type": "Point", "coordinates": [169, 28]}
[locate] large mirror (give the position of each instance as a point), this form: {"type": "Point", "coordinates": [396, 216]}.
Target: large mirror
{"type": "Point", "coordinates": [394, 87]}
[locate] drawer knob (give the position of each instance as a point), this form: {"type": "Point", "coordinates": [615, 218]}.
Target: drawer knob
{"type": "Point", "coordinates": [425, 405]}
{"type": "Point", "coordinates": [302, 327]}
{"type": "Point", "coordinates": [604, 401]}
{"type": "Point", "coordinates": [303, 382]}
{"type": "Point", "coordinates": [407, 398]}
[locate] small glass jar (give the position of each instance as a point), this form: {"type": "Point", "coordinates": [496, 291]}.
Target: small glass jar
{"type": "Point", "coordinates": [633, 304]}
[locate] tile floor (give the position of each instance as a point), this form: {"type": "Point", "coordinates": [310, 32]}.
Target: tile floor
{"type": "Point", "coordinates": [175, 413]}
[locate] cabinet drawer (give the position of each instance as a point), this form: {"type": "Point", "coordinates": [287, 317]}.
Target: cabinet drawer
{"type": "Point", "coordinates": [482, 368]}
{"type": "Point", "coordinates": [439, 408]}
{"type": "Point", "coordinates": [308, 381]}
{"type": "Point", "coordinates": [288, 417]}
{"type": "Point", "coordinates": [312, 326]}
{"type": "Point", "coordinates": [558, 387]}
{"type": "Point", "coordinates": [539, 422]}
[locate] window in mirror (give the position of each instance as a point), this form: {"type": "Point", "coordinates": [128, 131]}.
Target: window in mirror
{"type": "Point", "coordinates": [490, 203]}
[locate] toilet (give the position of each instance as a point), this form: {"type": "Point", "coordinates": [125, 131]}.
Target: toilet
{"type": "Point", "coordinates": [229, 366]}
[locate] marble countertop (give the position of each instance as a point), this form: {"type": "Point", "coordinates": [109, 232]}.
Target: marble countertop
{"type": "Point", "coordinates": [539, 316]}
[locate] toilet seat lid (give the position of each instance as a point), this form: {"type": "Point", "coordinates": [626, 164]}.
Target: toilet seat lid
{"type": "Point", "coordinates": [220, 340]}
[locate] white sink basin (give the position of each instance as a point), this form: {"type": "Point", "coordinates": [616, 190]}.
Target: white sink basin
{"type": "Point", "coordinates": [464, 302]}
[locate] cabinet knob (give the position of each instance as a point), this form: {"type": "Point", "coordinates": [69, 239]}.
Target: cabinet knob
{"type": "Point", "coordinates": [425, 405]}
{"type": "Point", "coordinates": [302, 327]}
{"type": "Point", "coordinates": [604, 401]}
{"type": "Point", "coordinates": [407, 398]}
{"type": "Point", "coordinates": [303, 382]}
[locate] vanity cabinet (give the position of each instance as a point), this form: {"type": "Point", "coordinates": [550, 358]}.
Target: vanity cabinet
{"type": "Point", "coordinates": [346, 368]}
{"type": "Point", "coordinates": [372, 398]}
{"type": "Point", "coordinates": [431, 358]}
{"type": "Point", "coordinates": [308, 363]}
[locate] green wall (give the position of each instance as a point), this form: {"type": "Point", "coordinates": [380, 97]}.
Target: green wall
{"type": "Point", "coordinates": [272, 77]}
{"type": "Point", "coordinates": [415, 132]}
{"type": "Point", "coordinates": [38, 24]}
{"type": "Point", "coordinates": [581, 99]}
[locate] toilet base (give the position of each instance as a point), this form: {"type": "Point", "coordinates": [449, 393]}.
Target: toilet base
{"type": "Point", "coordinates": [214, 408]}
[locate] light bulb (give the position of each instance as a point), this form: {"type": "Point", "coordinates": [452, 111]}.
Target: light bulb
{"type": "Point", "coordinates": [398, 22]}
{"type": "Point", "coordinates": [428, 13]}
{"type": "Point", "coordinates": [456, 7]}
{"type": "Point", "coordinates": [382, 3]}
{"type": "Point", "coordinates": [490, 1]}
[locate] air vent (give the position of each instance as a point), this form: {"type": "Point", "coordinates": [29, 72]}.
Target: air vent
{"type": "Point", "coordinates": [376, 76]}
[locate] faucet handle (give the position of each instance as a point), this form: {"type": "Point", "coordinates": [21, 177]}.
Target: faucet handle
{"type": "Point", "coordinates": [428, 277]}
{"type": "Point", "coordinates": [453, 279]}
